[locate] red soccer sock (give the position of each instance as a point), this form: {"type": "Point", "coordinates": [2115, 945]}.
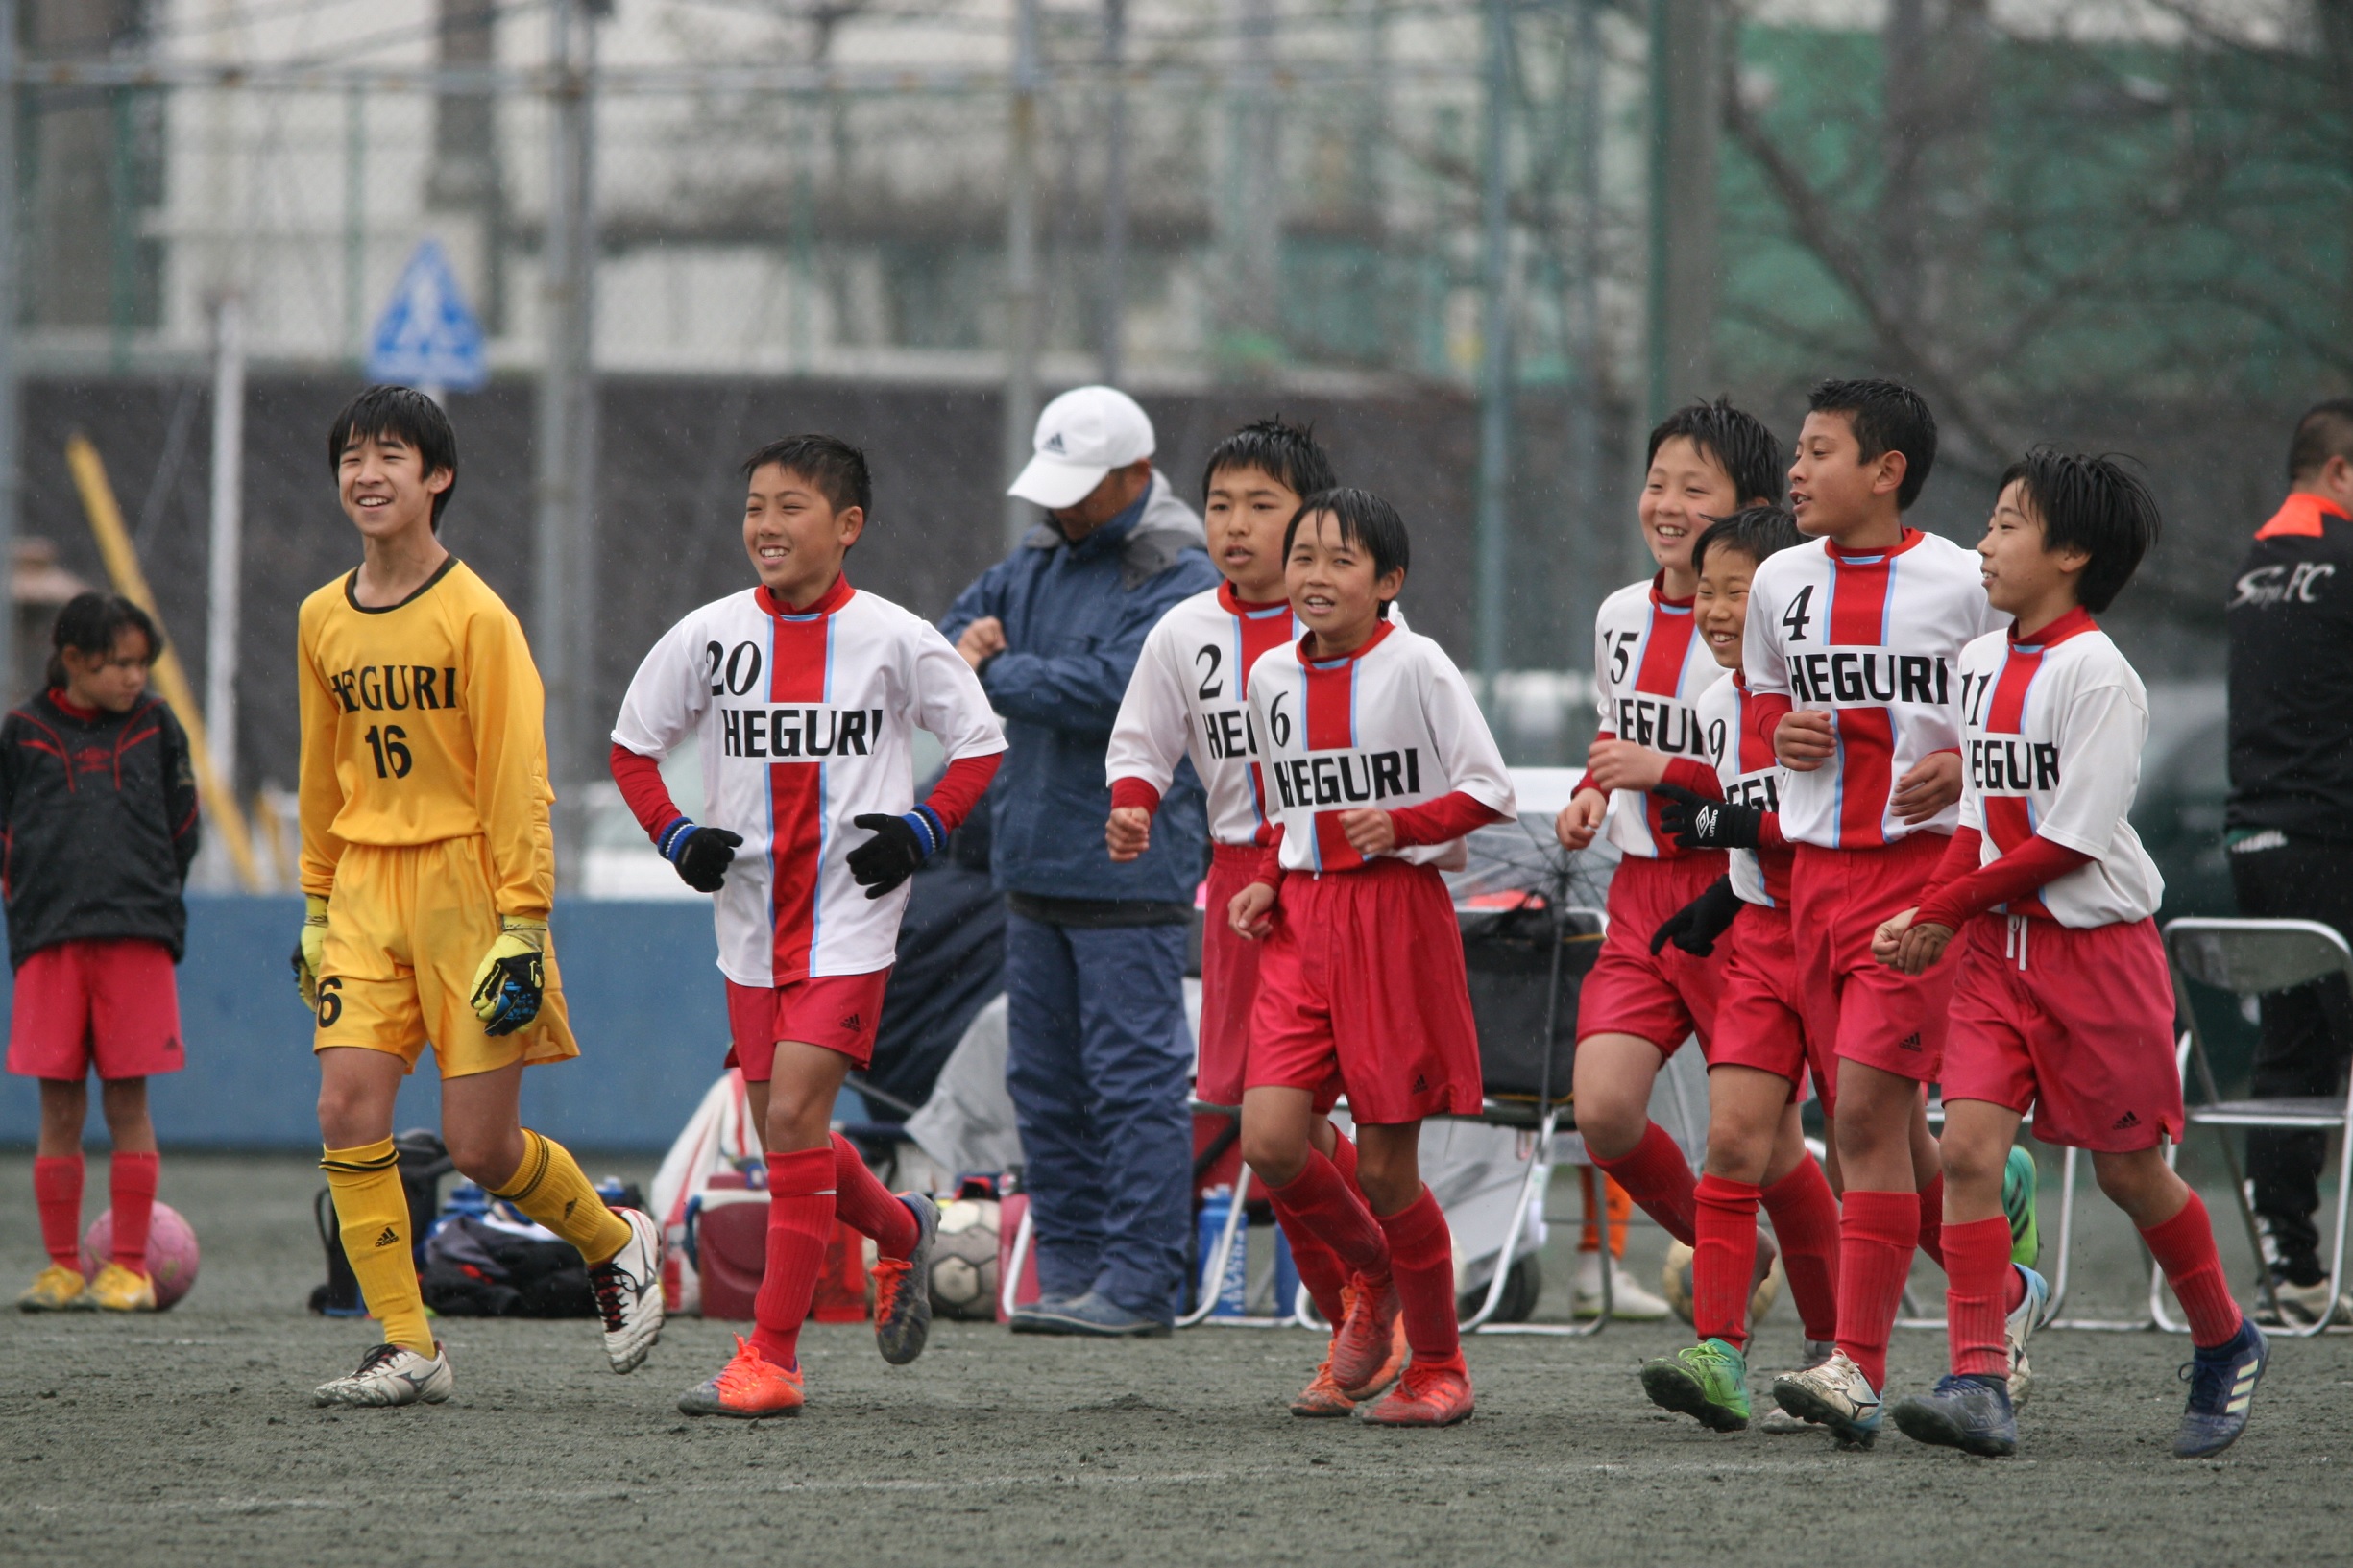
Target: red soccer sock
{"type": "Point", "coordinates": [1805, 1215]}
{"type": "Point", "coordinates": [1878, 1235]}
{"type": "Point", "coordinates": [2184, 1249]}
{"type": "Point", "coordinates": [1319, 1203]}
{"type": "Point", "coordinates": [1343, 1156]}
{"type": "Point", "coordinates": [867, 1206]}
{"type": "Point", "coordinates": [1932, 1219]}
{"type": "Point", "coordinates": [1422, 1257]}
{"type": "Point", "coordinates": [57, 1191]}
{"type": "Point", "coordinates": [133, 1183]}
{"type": "Point", "coordinates": [1979, 1275]}
{"type": "Point", "coordinates": [1724, 1257]}
{"type": "Point", "coordinates": [1319, 1268]}
{"type": "Point", "coordinates": [800, 1221]}
{"type": "Point", "coordinates": [1656, 1175]}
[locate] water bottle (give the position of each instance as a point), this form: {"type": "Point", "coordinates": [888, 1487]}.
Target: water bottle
{"type": "Point", "coordinates": [1286, 1277]}
{"type": "Point", "coordinates": [1230, 1292]}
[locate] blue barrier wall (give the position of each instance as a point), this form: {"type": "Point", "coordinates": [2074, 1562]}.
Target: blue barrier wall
{"type": "Point", "coordinates": [646, 998]}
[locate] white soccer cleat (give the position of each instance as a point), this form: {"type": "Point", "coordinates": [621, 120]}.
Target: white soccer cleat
{"type": "Point", "coordinates": [1836, 1396]}
{"type": "Point", "coordinates": [1780, 1422]}
{"type": "Point", "coordinates": [392, 1375]}
{"type": "Point", "coordinates": [628, 1292]}
{"type": "Point", "coordinates": [2021, 1324]}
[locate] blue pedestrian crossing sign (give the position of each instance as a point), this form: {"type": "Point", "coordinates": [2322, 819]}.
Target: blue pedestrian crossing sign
{"type": "Point", "coordinates": [428, 336]}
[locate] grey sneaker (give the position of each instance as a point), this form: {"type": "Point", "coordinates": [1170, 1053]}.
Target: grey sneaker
{"type": "Point", "coordinates": [2300, 1306]}
{"type": "Point", "coordinates": [1095, 1316]}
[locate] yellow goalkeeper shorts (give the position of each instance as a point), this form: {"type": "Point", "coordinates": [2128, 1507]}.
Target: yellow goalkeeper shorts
{"type": "Point", "coordinates": [406, 928]}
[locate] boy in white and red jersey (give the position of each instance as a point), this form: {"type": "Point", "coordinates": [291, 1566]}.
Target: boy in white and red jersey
{"type": "Point", "coordinates": [1639, 1004]}
{"type": "Point", "coordinates": [1761, 1053]}
{"type": "Point", "coordinates": [1188, 701]}
{"type": "Point", "coordinates": [1374, 762]}
{"type": "Point", "coordinates": [2062, 1004]}
{"type": "Point", "coordinates": [802, 694]}
{"type": "Point", "coordinates": [1851, 653]}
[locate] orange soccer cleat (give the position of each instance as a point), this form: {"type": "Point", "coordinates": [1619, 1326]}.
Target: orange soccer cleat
{"type": "Point", "coordinates": [748, 1386]}
{"type": "Point", "coordinates": [1430, 1394]}
{"type": "Point", "coordinates": [1368, 1345]}
{"type": "Point", "coordinates": [1323, 1397]}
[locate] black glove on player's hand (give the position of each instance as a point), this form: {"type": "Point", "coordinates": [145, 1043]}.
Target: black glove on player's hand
{"type": "Point", "coordinates": [1695, 926]}
{"type": "Point", "coordinates": [1698, 823]}
{"type": "Point", "coordinates": [890, 856]}
{"type": "Point", "coordinates": [701, 854]}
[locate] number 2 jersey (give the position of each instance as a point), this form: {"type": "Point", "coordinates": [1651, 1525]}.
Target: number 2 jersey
{"type": "Point", "coordinates": [1875, 637]}
{"type": "Point", "coordinates": [1392, 725]}
{"type": "Point", "coordinates": [2053, 737]}
{"type": "Point", "coordinates": [805, 720]}
{"type": "Point", "coordinates": [421, 721]}
{"type": "Point", "coordinates": [1650, 666]}
{"type": "Point", "coordinates": [1749, 775]}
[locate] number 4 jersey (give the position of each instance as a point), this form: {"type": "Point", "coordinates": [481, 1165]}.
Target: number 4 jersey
{"type": "Point", "coordinates": [805, 721]}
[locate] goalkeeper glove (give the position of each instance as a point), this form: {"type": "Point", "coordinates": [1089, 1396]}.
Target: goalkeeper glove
{"type": "Point", "coordinates": [1698, 823]}
{"type": "Point", "coordinates": [513, 978]}
{"type": "Point", "coordinates": [1695, 926]}
{"type": "Point", "coordinates": [311, 950]}
{"type": "Point", "coordinates": [701, 854]}
{"type": "Point", "coordinates": [899, 845]}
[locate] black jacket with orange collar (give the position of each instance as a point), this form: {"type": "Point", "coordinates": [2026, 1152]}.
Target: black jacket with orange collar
{"type": "Point", "coordinates": [2290, 623]}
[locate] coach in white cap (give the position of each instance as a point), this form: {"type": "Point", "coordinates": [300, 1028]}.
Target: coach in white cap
{"type": "Point", "coordinates": [1099, 1050]}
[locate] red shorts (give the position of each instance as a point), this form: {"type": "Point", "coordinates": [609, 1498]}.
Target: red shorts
{"type": "Point", "coordinates": [1760, 1014]}
{"type": "Point", "coordinates": [840, 1012]}
{"type": "Point", "coordinates": [2076, 1026]}
{"type": "Point", "coordinates": [1664, 998]}
{"type": "Point", "coordinates": [110, 1003]}
{"type": "Point", "coordinates": [1362, 989]}
{"type": "Point", "coordinates": [1230, 980]}
{"type": "Point", "coordinates": [1863, 1010]}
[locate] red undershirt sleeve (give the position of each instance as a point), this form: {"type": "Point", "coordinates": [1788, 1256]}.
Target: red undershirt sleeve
{"type": "Point", "coordinates": [641, 784]}
{"type": "Point", "coordinates": [1136, 792]}
{"type": "Point", "coordinates": [1767, 710]}
{"type": "Point", "coordinates": [1447, 817]}
{"type": "Point", "coordinates": [2024, 870]}
{"type": "Point", "coordinates": [960, 790]}
{"type": "Point", "coordinates": [1686, 773]}
{"type": "Point", "coordinates": [1769, 832]}
{"type": "Point", "coordinates": [1271, 858]}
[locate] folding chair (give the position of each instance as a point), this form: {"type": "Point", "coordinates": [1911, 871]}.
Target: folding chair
{"type": "Point", "coordinates": [2255, 958]}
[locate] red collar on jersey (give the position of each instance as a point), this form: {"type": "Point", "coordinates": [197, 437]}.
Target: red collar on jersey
{"type": "Point", "coordinates": [1865, 558]}
{"type": "Point", "coordinates": [2302, 515]}
{"type": "Point", "coordinates": [71, 710]}
{"type": "Point", "coordinates": [2075, 623]}
{"type": "Point", "coordinates": [1381, 633]}
{"type": "Point", "coordinates": [1663, 601]}
{"type": "Point", "coordinates": [824, 604]}
{"type": "Point", "coordinates": [1233, 604]}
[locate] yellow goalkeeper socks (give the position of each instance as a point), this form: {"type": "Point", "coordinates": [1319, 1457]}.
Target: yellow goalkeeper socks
{"type": "Point", "coordinates": [549, 1186]}
{"type": "Point", "coordinates": [371, 1212]}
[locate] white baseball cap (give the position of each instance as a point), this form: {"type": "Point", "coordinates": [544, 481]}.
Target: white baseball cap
{"type": "Point", "coordinates": [1081, 436]}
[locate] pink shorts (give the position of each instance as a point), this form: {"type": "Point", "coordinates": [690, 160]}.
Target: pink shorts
{"type": "Point", "coordinates": [112, 1003]}
{"type": "Point", "coordinates": [1230, 980]}
{"type": "Point", "coordinates": [1760, 1014]}
{"type": "Point", "coordinates": [1664, 998]}
{"type": "Point", "coordinates": [840, 1012]}
{"type": "Point", "coordinates": [1863, 1010]}
{"type": "Point", "coordinates": [2075, 1026]}
{"type": "Point", "coordinates": [1363, 990]}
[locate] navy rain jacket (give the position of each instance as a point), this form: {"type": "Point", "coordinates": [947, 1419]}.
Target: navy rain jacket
{"type": "Point", "coordinates": [1075, 621]}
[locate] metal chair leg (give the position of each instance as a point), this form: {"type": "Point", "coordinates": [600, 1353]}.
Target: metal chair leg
{"type": "Point", "coordinates": [1009, 1287]}
{"type": "Point", "coordinates": [1539, 1171]}
{"type": "Point", "coordinates": [1224, 1254]}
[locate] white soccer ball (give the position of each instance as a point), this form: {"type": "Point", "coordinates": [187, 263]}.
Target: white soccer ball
{"type": "Point", "coordinates": [1676, 1280]}
{"type": "Point", "coordinates": [964, 1259]}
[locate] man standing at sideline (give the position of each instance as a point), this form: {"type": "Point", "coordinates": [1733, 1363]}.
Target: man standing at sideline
{"type": "Point", "coordinates": [1097, 1047]}
{"type": "Point", "coordinates": [2290, 829]}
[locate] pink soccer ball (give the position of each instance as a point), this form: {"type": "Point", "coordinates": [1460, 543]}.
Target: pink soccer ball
{"type": "Point", "coordinates": [171, 1251]}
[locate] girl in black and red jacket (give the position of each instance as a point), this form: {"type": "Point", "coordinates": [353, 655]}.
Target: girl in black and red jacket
{"type": "Point", "coordinates": [98, 821]}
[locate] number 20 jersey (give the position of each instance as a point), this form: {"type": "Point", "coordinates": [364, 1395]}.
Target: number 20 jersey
{"type": "Point", "coordinates": [804, 722]}
{"type": "Point", "coordinates": [1391, 723]}
{"type": "Point", "coordinates": [1875, 637]}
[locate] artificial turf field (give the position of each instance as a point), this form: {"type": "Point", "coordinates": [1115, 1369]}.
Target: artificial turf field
{"type": "Point", "coordinates": [189, 1437]}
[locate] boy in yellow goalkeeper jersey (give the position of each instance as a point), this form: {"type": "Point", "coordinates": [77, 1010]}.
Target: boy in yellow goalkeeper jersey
{"type": "Point", "coordinates": [428, 868]}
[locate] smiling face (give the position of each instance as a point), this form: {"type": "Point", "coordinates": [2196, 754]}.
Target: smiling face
{"type": "Point", "coordinates": [1834, 491]}
{"type": "Point", "coordinates": [1334, 587]}
{"type": "Point", "coordinates": [385, 487]}
{"type": "Point", "coordinates": [2021, 577]}
{"type": "Point", "coordinates": [1245, 513]}
{"type": "Point", "coordinates": [1685, 489]}
{"type": "Point", "coordinates": [1720, 610]}
{"type": "Point", "coordinates": [794, 536]}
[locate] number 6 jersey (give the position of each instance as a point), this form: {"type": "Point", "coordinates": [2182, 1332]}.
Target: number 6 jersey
{"type": "Point", "coordinates": [805, 721]}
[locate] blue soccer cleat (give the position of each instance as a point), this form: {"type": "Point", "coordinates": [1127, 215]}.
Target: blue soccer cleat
{"type": "Point", "coordinates": [2019, 1326]}
{"type": "Point", "coordinates": [2222, 1389]}
{"type": "Point", "coordinates": [1968, 1412]}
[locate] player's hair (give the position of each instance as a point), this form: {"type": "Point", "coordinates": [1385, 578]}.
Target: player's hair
{"type": "Point", "coordinates": [2093, 504]}
{"type": "Point", "coordinates": [835, 468]}
{"type": "Point", "coordinates": [93, 622]}
{"type": "Point", "coordinates": [2325, 431]}
{"type": "Point", "coordinates": [1887, 417]}
{"type": "Point", "coordinates": [1756, 531]}
{"type": "Point", "coordinates": [406, 416]}
{"type": "Point", "coordinates": [1736, 439]}
{"type": "Point", "coordinates": [1366, 521]}
{"type": "Point", "coordinates": [1277, 448]}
